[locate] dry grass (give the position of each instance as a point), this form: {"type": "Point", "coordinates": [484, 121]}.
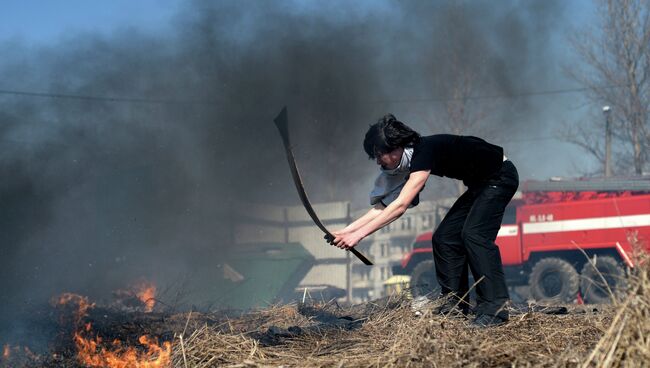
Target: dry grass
{"type": "Point", "coordinates": [395, 337]}
{"type": "Point", "coordinates": [387, 333]}
{"type": "Point", "coordinates": [626, 343]}
{"type": "Point", "coordinates": [391, 335]}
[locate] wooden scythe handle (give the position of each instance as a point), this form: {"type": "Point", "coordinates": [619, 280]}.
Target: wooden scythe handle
{"type": "Point", "coordinates": [282, 123]}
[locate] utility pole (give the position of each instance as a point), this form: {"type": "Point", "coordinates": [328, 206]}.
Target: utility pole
{"type": "Point", "coordinates": [348, 265]}
{"type": "Point", "coordinates": [608, 143]}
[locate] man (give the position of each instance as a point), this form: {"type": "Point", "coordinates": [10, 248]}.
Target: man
{"type": "Point", "coordinates": [466, 235]}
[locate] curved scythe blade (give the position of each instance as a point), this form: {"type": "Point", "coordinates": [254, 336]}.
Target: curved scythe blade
{"type": "Point", "coordinates": [282, 123]}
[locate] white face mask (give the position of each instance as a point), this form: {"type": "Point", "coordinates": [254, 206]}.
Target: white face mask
{"type": "Point", "coordinates": [389, 183]}
{"type": "Point", "coordinates": [404, 164]}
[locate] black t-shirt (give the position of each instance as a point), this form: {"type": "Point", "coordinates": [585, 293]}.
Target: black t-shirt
{"type": "Point", "coordinates": [465, 158]}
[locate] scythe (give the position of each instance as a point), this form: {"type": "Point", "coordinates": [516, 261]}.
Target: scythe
{"type": "Point", "coordinates": [282, 123]}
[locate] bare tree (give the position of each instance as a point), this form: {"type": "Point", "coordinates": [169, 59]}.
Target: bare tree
{"type": "Point", "coordinates": [463, 115]}
{"type": "Point", "coordinates": [616, 70]}
{"type": "Point", "coordinates": [464, 66]}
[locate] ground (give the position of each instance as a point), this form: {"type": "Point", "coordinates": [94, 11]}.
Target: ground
{"type": "Point", "coordinates": [383, 333]}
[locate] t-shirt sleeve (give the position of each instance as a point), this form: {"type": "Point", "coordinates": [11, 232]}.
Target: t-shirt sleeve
{"type": "Point", "coordinates": [382, 194]}
{"type": "Point", "coordinates": [422, 157]}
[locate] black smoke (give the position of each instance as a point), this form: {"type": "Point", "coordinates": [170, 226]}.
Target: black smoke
{"type": "Point", "coordinates": [97, 192]}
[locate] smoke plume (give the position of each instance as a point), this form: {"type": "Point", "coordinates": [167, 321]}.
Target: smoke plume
{"type": "Point", "coordinates": [97, 192]}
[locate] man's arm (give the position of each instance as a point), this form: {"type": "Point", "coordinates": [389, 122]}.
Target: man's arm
{"type": "Point", "coordinates": [413, 186]}
{"type": "Point", "coordinates": [369, 216]}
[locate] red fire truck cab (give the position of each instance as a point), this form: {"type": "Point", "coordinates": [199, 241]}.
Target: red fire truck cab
{"type": "Point", "coordinates": [561, 238]}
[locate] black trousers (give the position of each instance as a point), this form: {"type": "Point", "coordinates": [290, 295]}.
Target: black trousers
{"type": "Point", "coordinates": [465, 237]}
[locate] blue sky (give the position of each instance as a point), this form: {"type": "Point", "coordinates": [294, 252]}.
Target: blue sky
{"type": "Point", "coordinates": [43, 22]}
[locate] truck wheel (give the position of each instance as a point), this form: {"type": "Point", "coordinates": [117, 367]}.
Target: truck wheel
{"type": "Point", "coordinates": [423, 279]}
{"type": "Point", "coordinates": [554, 280]}
{"type": "Point", "coordinates": [591, 284]}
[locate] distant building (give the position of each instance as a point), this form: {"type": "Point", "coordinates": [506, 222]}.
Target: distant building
{"type": "Point", "coordinates": [387, 246]}
{"type": "Point", "coordinates": [332, 267]}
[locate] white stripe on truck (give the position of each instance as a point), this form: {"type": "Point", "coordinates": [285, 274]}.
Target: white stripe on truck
{"type": "Point", "coordinates": [613, 222]}
{"type": "Point", "coordinates": [508, 230]}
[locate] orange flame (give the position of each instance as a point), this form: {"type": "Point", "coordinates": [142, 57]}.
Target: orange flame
{"type": "Point", "coordinates": [83, 305]}
{"type": "Point", "coordinates": [92, 354]}
{"type": "Point", "coordinates": [146, 291]}
{"type": "Point", "coordinates": [143, 291]}
{"type": "Point", "coordinates": [18, 353]}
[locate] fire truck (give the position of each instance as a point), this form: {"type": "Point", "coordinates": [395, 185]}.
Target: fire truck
{"type": "Point", "coordinates": [567, 240]}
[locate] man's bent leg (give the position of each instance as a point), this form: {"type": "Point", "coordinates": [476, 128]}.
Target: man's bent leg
{"type": "Point", "coordinates": [449, 252]}
{"type": "Point", "coordinates": [479, 232]}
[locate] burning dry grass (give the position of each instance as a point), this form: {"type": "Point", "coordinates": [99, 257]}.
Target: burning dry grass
{"type": "Point", "coordinates": [93, 352]}
{"type": "Point", "coordinates": [383, 333]}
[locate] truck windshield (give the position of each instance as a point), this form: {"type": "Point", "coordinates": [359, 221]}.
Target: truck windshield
{"type": "Point", "coordinates": [510, 215]}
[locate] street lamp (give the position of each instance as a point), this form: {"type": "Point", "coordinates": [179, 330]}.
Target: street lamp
{"type": "Point", "coordinates": [608, 142]}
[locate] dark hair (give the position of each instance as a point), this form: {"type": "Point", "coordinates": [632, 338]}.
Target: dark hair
{"type": "Point", "coordinates": [388, 134]}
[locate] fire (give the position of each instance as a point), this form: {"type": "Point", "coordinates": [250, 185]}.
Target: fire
{"type": "Point", "coordinates": [17, 353]}
{"type": "Point", "coordinates": [141, 294]}
{"type": "Point", "coordinates": [91, 353]}
{"type": "Point", "coordinates": [83, 305]}
{"type": "Point", "coordinates": [146, 291]}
